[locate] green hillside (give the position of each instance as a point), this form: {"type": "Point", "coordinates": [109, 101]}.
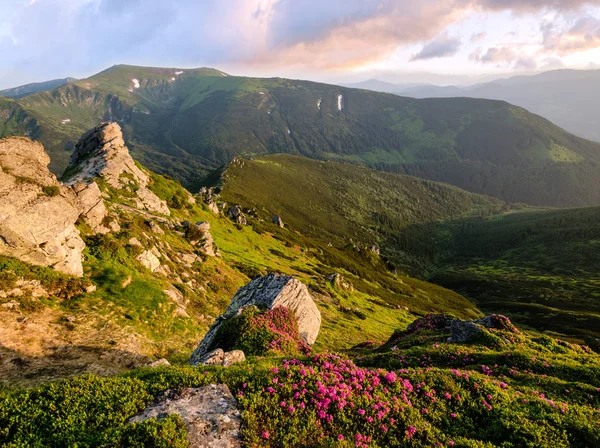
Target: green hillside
{"type": "Point", "coordinates": [187, 122]}
{"type": "Point", "coordinates": [538, 266]}
{"type": "Point", "coordinates": [337, 202]}
{"type": "Point", "coordinates": [135, 315]}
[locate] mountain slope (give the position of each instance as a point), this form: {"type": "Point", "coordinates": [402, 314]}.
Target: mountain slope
{"type": "Point", "coordinates": [568, 98]}
{"type": "Point", "coordinates": [344, 203]}
{"type": "Point", "coordinates": [538, 266]}
{"type": "Point", "coordinates": [187, 122]}
{"type": "Point", "coordinates": [28, 89]}
{"type": "Point", "coordinates": [148, 290]}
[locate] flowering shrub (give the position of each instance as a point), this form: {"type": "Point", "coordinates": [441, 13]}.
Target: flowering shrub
{"type": "Point", "coordinates": [534, 392]}
{"type": "Point", "coordinates": [329, 401]}
{"type": "Point", "coordinates": [260, 333]}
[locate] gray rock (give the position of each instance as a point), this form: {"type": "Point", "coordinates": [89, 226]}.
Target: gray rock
{"type": "Point", "coordinates": [210, 414]}
{"type": "Point", "coordinates": [271, 291]}
{"type": "Point", "coordinates": [233, 357]}
{"type": "Point", "coordinates": [148, 259]}
{"type": "Point", "coordinates": [277, 220]}
{"type": "Point", "coordinates": [37, 213]}
{"type": "Point", "coordinates": [213, 207]}
{"type": "Point", "coordinates": [91, 207]}
{"type": "Point", "coordinates": [462, 331]}
{"type": "Point", "coordinates": [219, 357]}
{"type": "Point", "coordinates": [236, 214]}
{"type": "Point", "coordinates": [133, 241]}
{"type": "Point", "coordinates": [162, 362]}
{"type": "Point", "coordinates": [214, 357]}
{"type": "Point", "coordinates": [199, 234]}
{"type": "Point", "coordinates": [339, 282]}
{"type": "Point", "coordinates": [101, 152]}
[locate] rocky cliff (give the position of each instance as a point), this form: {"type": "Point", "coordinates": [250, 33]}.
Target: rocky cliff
{"type": "Point", "coordinates": [37, 213]}
{"type": "Point", "coordinates": [101, 153]}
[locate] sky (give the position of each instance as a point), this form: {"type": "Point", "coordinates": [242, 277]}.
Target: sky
{"type": "Point", "coordinates": [438, 41]}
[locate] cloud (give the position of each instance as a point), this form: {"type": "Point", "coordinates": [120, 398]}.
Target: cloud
{"type": "Point", "coordinates": [477, 37]}
{"type": "Point", "coordinates": [579, 35]}
{"type": "Point", "coordinates": [505, 56]}
{"type": "Point", "coordinates": [48, 38]}
{"type": "Point", "coordinates": [438, 49]}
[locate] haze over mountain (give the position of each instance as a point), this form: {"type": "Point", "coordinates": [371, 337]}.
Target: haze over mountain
{"type": "Point", "coordinates": [28, 89]}
{"type": "Point", "coordinates": [568, 98]}
{"type": "Point", "coordinates": [187, 122]}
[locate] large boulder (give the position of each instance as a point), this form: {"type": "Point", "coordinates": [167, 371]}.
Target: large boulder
{"type": "Point", "coordinates": [271, 291]}
{"type": "Point", "coordinates": [462, 331]}
{"type": "Point", "coordinates": [209, 413]}
{"type": "Point", "coordinates": [37, 213]}
{"type": "Point", "coordinates": [101, 153]}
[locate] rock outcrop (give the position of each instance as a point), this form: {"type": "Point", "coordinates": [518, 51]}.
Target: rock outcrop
{"type": "Point", "coordinates": [37, 213]}
{"type": "Point", "coordinates": [92, 208]}
{"type": "Point", "coordinates": [462, 331]}
{"type": "Point", "coordinates": [198, 234]}
{"type": "Point", "coordinates": [101, 153]}
{"type": "Point", "coordinates": [236, 214]}
{"type": "Point", "coordinates": [220, 357]}
{"type": "Point", "coordinates": [271, 291]}
{"type": "Point", "coordinates": [209, 413]}
{"type": "Point", "coordinates": [339, 282]}
{"type": "Point", "coordinates": [277, 220]}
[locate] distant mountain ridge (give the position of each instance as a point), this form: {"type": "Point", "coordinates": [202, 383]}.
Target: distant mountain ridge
{"type": "Point", "coordinates": [28, 89]}
{"type": "Point", "coordinates": [568, 98]}
{"type": "Point", "coordinates": [187, 122]}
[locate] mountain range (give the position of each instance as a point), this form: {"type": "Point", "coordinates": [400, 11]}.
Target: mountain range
{"type": "Point", "coordinates": [28, 89]}
{"type": "Point", "coordinates": [568, 98]}
{"type": "Point", "coordinates": [185, 123]}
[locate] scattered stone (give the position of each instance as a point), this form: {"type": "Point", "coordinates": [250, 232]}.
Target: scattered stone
{"type": "Point", "coordinates": [236, 214]}
{"type": "Point", "coordinates": [199, 235]}
{"type": "Point", "coordinates": [213, 207]}
{"type": "Point", "coordinates": [101, 152]}
{"type": "Point", "coordinates": [127, 282]}
{"type": "Point", "coordinates": [271, 291]}
{"type": "Point", "coordinates": [339, 282]}
{"type": "Point", "coordinates": [214, 357]}
{"type": "Point", "coordinates": [159, 363]}
{"type": "Point", "coordinates": [179, 300]}
{"type": "Point", "coordinates": [210, 414]}
{"type": "Point", "coordinates": [148, 259]}
{"type": "Point", "coordinates": [32, 288]}
{"type": "Point", "coordinates": [37, 213]}
{"type": "Point", "coordinates": [277, 220]}
{"type": "Point", "coordinates": [234, 357]}
{"type": "Point", "coordinates": [133, 241]}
